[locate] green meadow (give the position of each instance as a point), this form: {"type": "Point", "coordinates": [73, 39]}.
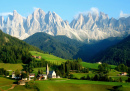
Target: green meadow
{"type": "Point", "coordinates": [12, 67]}
{"type": "Point", "coordinates": [5, 83]}
{"type": "Point", "coordinates": [79, 85]}
{"type": "Point", "coordinates": [64, 84]}
{"type": "Point", "coordinates": [48, 57]}
{"type": "Point", "coordinates": [93, 65]}
{"type": "Point", "coordinates": [79, 75]}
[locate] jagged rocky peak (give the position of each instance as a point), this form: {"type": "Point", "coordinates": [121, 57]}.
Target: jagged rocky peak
{"type": "Point", "coordinates": [49, 13]}
{"type": "Point", "coordinates": [95, 16]}
{"type": "Point", "coordinates": [103, 16]}
{"type": "Point", "coordinates": [89, 15]}
{"type": "Point", "coordinates": [92, 26]}
{"type": "Point", "coordinates": [56, 16]}
{"type": "Point", "coordinates": [66, 22]}
{"type": "Point", "coordinates": [81, 17]}
{"type": "Point", "coordinates": [1, 20]}
{"type": "Point", "coordinates": [16, 15]}
{"type": "Point", "coordinates": [39, 13]}
{"type": "Point", "coordinates": [53, 18]}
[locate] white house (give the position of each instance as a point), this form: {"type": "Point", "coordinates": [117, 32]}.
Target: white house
{"type": "Point", "coordinates": [31, 76]}
{"type": "Point", "coordinates": [99, 62]}
{"type": "Point", "coordinates": [13, 75]}
{"type": "Point", "coordinates": [25, 79]}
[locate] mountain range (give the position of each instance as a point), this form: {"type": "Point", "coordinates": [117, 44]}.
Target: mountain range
{"type": "Point", "coordinates": [85, 28]}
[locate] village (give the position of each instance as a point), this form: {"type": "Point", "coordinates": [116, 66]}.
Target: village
{"type": "Point", "coordinates": [24, 77]}
{"type": "Point", "coordinates": [49, 74]}
{"type": "Point", "coordinates": [32, 76]}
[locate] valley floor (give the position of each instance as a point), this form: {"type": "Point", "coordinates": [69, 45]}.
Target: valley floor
{"type": "Point", "coordinates": [64, 84]}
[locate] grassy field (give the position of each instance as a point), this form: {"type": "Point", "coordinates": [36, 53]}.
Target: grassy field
{"type": "Point", "coordinates": [79, 85]}
{"type": "Point", "coordinates": [48, 57]}
{"type": "Point", "coordinates": [79, 75]}
{"type": "Point", "coordinates": [5, 83]}
{"type": "Point", "coordinates": [21, 88]}
{"type": "Point", "coordinates": [90, 65]}
{"type": "Point", "coordinates": [64, 84]}
{"type": "Point", "coordinates": [113, 72]}
{"type": "Point", "coordinates": [12, 67]}
{"type": "Point", "coordinates": [93, 65]}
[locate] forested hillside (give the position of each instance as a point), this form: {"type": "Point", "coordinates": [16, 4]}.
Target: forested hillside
{"type": "Point", "coordinates": [120, 53]}
{"type": "Point", "coordinates": [13, 50]}
{"type": "Point", "coordinates": [67, 48]}
{"type": "Point", "coordinates": [49, 44]}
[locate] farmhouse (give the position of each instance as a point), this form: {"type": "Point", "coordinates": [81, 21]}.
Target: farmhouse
{"type": "Point", "coordinates": [31, 76]}
{"type": "Point", "coordinates": [34, 56]}
{"type": "Point", "coordinates": [99, 62]}
{"type": "Point", "coordinates": [39, 57]}
{"type": "Point", "coordinates": [21, 82]}
{"type": "Point", "coordinates": [123, 73]}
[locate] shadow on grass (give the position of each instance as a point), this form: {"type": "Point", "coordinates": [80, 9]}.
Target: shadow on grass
{"type": "Point", "coordinates": [116, 88]}
{"type": "Point", "coordinates": [15, 81]}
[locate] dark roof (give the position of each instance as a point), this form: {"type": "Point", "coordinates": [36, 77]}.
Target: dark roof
{"type": "Point", "coordinates": [50, 72]}
{"type": "Point", "coordinates": [42, 75]}
{"type": "Point", "coordinates": [31, 73]}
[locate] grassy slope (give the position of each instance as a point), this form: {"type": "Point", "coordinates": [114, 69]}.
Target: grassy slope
{"type": "Point", "coordinates": [77, 85]}
{"type": "Point", "coordinates": [79, 75]}
{"type": "Point", "coordinates": [21, 88]}
{"type": "Point", "coordinates": [12, 67]}
{"type": "Point", "coordinates": [6, 83]}
{"type": "Point", "coordinates": [93, 65]}
{"type": "Point", "coordinates": [64, 84]}
{"type": "Point", "coordinates": [48, 57]}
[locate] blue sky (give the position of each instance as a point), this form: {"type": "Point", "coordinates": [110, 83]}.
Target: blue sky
{"type": "Point", "coordinates": [66, 9]}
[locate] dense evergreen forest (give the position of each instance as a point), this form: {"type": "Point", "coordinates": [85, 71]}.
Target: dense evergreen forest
{"type": "Point", "coordinates": [13, 50]}
{"type": "Point", "coordinates": [117, 54]}
{"type": "Point", "coordinates": [51, 45]}
{"type": "Point", "coordinates": [67, 48]}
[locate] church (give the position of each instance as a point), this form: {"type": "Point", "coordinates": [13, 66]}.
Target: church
{"type": "Point", "coordinates": [49, 74]}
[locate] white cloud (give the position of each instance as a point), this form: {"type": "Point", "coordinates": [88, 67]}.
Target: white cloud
{"type": "Point", "coordinates": [6, 13]}
{"type": "Point", "coordinates": [123, 14]}
{"type": "Point", "coordinates": [34, 8]}
{"type": "Point", "coordinates": [93, 10]}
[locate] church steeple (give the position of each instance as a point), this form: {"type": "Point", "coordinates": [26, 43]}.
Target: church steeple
{"type": "Point", "coordinates": [47, 70]}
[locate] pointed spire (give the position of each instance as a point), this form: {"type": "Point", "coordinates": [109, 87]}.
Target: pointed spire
{"type": "Point", "coordinates": [47, 70]}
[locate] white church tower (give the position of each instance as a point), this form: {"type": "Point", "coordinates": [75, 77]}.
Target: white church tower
{"type": "Point", "coordinates": [47, 70]}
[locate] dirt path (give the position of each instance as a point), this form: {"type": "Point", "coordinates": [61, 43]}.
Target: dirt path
{"type": "Point", "coordinates": [1, 89]}
{"type": "Point", "coordinates": [13, 85]}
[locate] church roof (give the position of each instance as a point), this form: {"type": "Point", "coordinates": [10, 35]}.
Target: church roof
{"type": "Point", "coordinates": [50, 72]}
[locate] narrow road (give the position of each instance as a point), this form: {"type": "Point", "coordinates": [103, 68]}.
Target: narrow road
{"type": "Point", "coordinates": [12, 87]}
